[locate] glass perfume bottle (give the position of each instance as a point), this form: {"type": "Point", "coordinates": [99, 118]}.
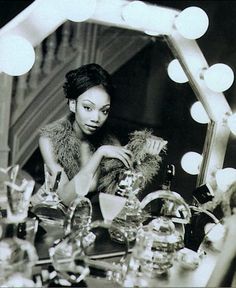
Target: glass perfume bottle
{"type": "Point", "coordinates": [49, 207]}
{"type": "Point", "coordinates": [130, 218]}
{"type": "Point", "coordinates": [78, 219]}
{"type": "Point", "coordinates": [17, 257]}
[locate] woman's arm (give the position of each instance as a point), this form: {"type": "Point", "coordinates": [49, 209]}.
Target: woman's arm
{"type": "Point", "coordinates": [80, 184]}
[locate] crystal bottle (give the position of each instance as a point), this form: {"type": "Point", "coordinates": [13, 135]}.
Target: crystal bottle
{"type": "Point", "coordinates": [130, 219]}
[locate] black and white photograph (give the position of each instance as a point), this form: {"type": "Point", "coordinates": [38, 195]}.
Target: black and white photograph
{"type": "Point", "coordinates": [117, 143]}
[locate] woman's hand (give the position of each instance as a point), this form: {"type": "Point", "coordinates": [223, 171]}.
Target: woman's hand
{"type": "Point", "coordinates": [154, 145]}
{"type": "Point", "coordinates": [117, 152]}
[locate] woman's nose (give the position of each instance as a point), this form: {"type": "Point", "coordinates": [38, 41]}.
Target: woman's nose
{"type": "Point", "coordinates": [95, 117]}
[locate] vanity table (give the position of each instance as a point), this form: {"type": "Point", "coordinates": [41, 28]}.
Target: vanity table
{"type": "Point", "coordinates": [108, 251]}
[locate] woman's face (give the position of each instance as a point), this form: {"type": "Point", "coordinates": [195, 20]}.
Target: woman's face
{"type": "Point", "coordinates": [92, 109]}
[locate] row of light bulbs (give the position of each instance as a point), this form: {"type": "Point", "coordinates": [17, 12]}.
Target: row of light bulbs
{"type": "Point", "coordinates": [212, 76]}
{"type": "Point", "coordinates": [17, 55]}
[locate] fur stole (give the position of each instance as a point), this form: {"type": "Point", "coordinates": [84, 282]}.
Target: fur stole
{"type": "Point", "coordinates": [148, 164]}
{"type": "Point", "coordinates": [66, 145]}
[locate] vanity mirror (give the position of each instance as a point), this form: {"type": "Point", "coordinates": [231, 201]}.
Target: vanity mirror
{"type": "Point", "coordinates": [136, 42]}
{"type": "Point", "coordinates": [126, 44]}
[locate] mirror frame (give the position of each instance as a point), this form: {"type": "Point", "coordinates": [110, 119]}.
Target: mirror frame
{"type": "Point", "coordinates": [30, 25]}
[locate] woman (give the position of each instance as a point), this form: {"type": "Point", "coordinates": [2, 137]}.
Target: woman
{"type": "Point", "coordinates": [77, 143]}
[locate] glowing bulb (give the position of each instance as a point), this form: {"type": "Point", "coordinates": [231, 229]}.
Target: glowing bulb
{"type": "Point", "coordinates": [134, 13]}
{"type": "Point", "coordinates": [225, 178]}
{"type": "Point", "coordinates": [192, 22]}
{"type": "Point", "coordinates": [232, 123]}
{"type": "Point", "coordinates": [198, 113]}
{"type": "Point", "coordinates": [191, 162]}
{"type": "Point", "coordinates": [77, 10]}
{"type": "Point", "coordinates": [17, 55]}
{"type": "Point", "coordinates": [176, 72]}
{"type": "Point", "coordinates": [219, 77]}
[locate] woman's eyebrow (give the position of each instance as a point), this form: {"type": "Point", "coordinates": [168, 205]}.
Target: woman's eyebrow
{"type": "Point", "coordinates": [107, 105]}
{"type": "Point", "coordinates": [89, 101]}
{"type": "Point", "coordinates": [104, 106]}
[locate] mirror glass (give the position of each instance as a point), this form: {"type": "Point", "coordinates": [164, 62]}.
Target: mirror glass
{"type": "Point", "coordinates": [146, 98]}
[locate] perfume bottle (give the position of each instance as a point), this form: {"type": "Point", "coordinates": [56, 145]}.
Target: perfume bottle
{"type": "Point", "coordinates": [49, 209]}
{"type": "Point", "coordinates": [78, 219]}
{"type": "Point", "coordinates": [130, 218]}
{"type": "Point", "coordinates": [17, 256]}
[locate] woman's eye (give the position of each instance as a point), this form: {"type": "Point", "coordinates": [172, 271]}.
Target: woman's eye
{"type": "Point", "coordinates": [105, 112]}
{"type": "Point", "coordinates": [87, 108]}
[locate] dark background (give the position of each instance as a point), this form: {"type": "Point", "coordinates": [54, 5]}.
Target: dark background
{"type": "Point", "coordinates": [167, 110]}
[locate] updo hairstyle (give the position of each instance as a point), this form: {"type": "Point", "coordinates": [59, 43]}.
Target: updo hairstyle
{"type": "Point", "coordinates": [85, 77]}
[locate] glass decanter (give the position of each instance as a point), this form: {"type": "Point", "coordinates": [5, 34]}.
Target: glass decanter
{"type": "Point", "coordinates": [130, 218]}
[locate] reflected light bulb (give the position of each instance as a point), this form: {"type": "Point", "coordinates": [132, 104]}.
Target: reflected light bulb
{"type": "Point", "coordinates": [134, 13]}
{"type": "Point", "coordinates": [191, 162]}
{"type": "Point", "coordinates": [232, 123]}
{"type": "Point", "coordinates": [17, 55]}
{"type": "Point", "coordinates": [192, 22]}
{"type": "Point", "coordinates": [77, 10]}
{"type": "Point", "coordinates": [219, 77]}
{"type": "Point", "coordinates": [176, 72]}
{"type": "Point", "coordinates": [198, 113]}
{"type": "Point", "coordinates": [225, 178]}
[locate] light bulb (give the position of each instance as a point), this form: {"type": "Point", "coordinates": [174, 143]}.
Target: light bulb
{"type": "Point", "coordinates": [225, 178]}
{"type": "Point", "coordinates": [77, 10]}
{"type": "Point", "coordinates": [232, 123]}
{"type": "Point", "coordinates": [176, 72]}
{"type": "Point", "coordinates": [134, 13]}
{"type": "Point", "coordinates": [17, 55]}
{"type": "Point", "coordinates": [191, 162]}
{"type": "Point", "coordinates": [198, 113]}
{"type": "Point", "coordinates": [192, 22]}
{"type": "Point", "coordinates": [219, 77]}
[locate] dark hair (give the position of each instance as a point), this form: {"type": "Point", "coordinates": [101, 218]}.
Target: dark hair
{"type": "Point", "coordinates": [87, 76]}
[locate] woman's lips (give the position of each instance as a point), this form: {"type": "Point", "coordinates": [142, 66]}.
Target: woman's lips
{"type": "Point", "coordinates": [92, 128]}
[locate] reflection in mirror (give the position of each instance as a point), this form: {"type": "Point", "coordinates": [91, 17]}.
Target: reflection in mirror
{"type": "Point", "coordinates": [147, 98]}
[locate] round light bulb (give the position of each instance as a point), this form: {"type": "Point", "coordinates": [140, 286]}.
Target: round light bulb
{"type": "Point", "coordinates": [176, 72]}
{"type": "Point", "coordinates": [134, 13]}
{"type": "Point", "coordinates": [17, 55]}
{"type": "Point", "coordinates": [192, 22]}
{"type": "Point", "coordinates": [191, 162]}
{"type": "Point", "coordinates": [198, 113]}
{"type": "Point", "coordinates": [232, 123]}
{"type": "Point", "coordinates": [77, 10]}
{"type": "Point", "coordinates": [225, 178]}
{"type": "Point", "coordinates": [219, 77]}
